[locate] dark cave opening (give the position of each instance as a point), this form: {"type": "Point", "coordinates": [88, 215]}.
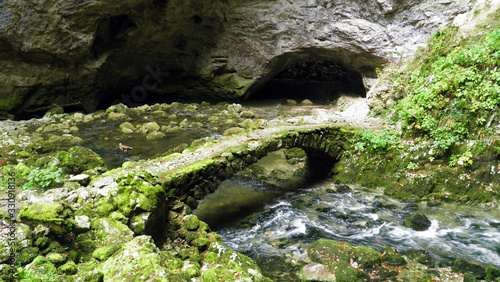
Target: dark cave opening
{"type": "Point", "coordinates": [320, 81]}
{"type": "Point", "coordinates": [111, 33]}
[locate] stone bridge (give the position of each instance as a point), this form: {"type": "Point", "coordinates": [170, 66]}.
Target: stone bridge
{"type": "Point", "coordinates": [150, 196]}
{"type": "Point", "coordinates": [197, 173]}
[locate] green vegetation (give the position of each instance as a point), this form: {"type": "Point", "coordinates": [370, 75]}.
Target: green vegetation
{"type": "Point", "coordinates": [41, 178]}
{"type": "Point", "coordinates": [453, 89]}
{"type": "Point", "coordinates": [443, 142]}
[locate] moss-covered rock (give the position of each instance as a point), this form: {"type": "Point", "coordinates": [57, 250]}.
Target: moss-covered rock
{"type": "Point", "coordinates": [346, 273]}
{"type": "Point", "coordinates": [56, 258]}
{"type": "Point", "coordinates": [138, 260]}
{"type": "Point", "coordinates": [109, 231]}
{"type": "Point", "coordinates": [492, 274]}
{"type": "Point", "coordinates": [191, 222]}
{"type": "Point", "coordinates": [6, 273]}
{"type": "Point", "coordinates": [105, 252]}
{"type": "Point", "coordinates": [79, 159]}
{"type": "Point", "coordinates": [220, 262]}
{"type": "Point", "coordinates": [329, 252]}
{"type": "Point", "coordinates": [40, 269]}
{"type": "Point", "coordinates": [418, 222]}
{"type": "Point", "coordinates": [69, 268]}
{"type": "Point", "coordinates": [392, 258]}
{"type": "Point", "coordinates": [58, 217]}
{"type": "Point", "coordinates": [463, 266]}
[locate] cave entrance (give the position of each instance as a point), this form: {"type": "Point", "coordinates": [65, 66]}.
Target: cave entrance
{"type": "Point", "coordinates": [319, 81]}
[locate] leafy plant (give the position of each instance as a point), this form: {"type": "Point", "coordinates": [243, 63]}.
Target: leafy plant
{"type": "Point", "coordinates": [453, 90]}
{"type": "Point", "coordinates": [412, 166]}
{"type": "Point", "coordinates": [379, 141]}
{"type": "Point", "coordinates": [40, 178]}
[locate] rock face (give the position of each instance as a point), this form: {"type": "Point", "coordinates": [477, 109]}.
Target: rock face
{"type": "Point", "coordinates": [77, 54]}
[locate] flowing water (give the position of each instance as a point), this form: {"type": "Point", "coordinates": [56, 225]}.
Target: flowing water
{"type": "Point", "coordinates": [275, 227]}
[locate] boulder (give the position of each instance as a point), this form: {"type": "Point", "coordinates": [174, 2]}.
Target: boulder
{"type": "Point", "coordinates": [417, 222]}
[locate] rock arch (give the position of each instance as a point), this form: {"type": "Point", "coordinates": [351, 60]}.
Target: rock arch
{"type": "Point", "coordinates": [315, 73]}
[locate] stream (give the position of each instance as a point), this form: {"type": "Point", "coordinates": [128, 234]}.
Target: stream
{"type": "Point", "coordinates": [273, 227]}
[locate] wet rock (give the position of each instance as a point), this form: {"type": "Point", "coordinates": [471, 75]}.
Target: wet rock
{"type": "Point", "coordinates": [328, 252]}
{"type": "Point", "coordinates": [155, 135]}
{"type": "Point", "coordinates": [343, 189]}
{"type": "Point", "coordinates": [425, 260]}
{"type": "Point", "coordinates": [291, 102]}
{"type": "Point", "coordinates": [317, 272]}
{"type": "Point", "coordinates": [247, 123]}
{"type": "Point", "coordinates": [191, 108]}
{"type": "Point", "coordinates": [247, 114]}
{"type": "Point", "coordinates": [184, 123]}
{"type": "Point", "coordinates": [417, 222]}
{"type": "Point", "coordinates": [78, 117]}
{"type": "Point", "coordinates": [149, 127]}
{"type": "Point", "coordinates": [170, 129]}
{"type": "Point", "coordinates": [127, 127]}
{"type": "Point", "coordinates": [234, 108]}
{"type": "Point", "coordinates": [463, 266]}
{"type": "Point", "coordinates": [306, 102]}
{"type": "Point", "coordinates": [118, 108]}
{"type": "Point", "coordinates": [233, 130]}
{"type": "Point", "coordinates": [202, 141]}
{"type": "Point", "coordinates": [320, 115]}
{"type": "Point", "coordinates": [117, 116]}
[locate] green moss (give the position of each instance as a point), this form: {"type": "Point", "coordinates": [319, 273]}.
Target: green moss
{"type": "Point", "coordinates": [418, 222]}
{"type": "Point", "coordinates": [79, 159]}
{"type": "Point", "coordinates": [462, 266]}
{"type": "Point", "coordinates": [345, 273]}
{"type": "Point", "coordinates": [329, 252]}
{"type": "Point", "coordinates": [105, 252]}
{"type": "Point", "coordinates": [224, 263]}
{"type": "Point", "coordinates": [138, 259]}
{"type": "Point", "coordinates": [69, 268]}
{"type": "Point", "coordinates": [392, 258]}
{"type": "Point", "coordinates": [191, 222]}
{"type": "Point", "coordinates": [492, 274]}
{"type": "Point", "coordinates": [27, 255]}
{"type": "Point", "coordinates": [39, 270]}
{"type": "Point", "coordinates": [110, 231]}
{"type": "Point", "coordinates": [56, 216]}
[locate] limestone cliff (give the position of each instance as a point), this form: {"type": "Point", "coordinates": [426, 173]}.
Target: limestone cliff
{"type": "Point", "coordinates": [84, 52]}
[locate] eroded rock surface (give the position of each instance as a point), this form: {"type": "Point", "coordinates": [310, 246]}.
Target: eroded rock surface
{"type": "Point", "coordinates": [76, 54]}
